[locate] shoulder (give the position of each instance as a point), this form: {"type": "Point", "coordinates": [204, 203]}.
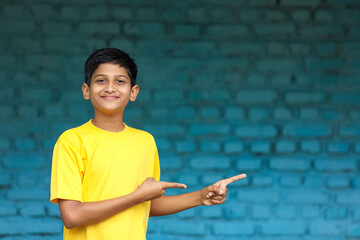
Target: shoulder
{"type": "Point", "coordinates": [73, 135]}
{"type": "Point", "coordinates": [141, 134]}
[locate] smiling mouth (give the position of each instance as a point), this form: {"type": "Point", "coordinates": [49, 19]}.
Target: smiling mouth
{"type": "Point", "coordinates": [109, 97]}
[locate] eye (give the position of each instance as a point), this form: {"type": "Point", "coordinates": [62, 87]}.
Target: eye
{"type": "Point", "coordinates": [120, 81]}
{"type": "Point", "coordinates": [100, 80]}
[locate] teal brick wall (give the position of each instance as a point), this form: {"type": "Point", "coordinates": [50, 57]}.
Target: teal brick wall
{"type": "Point", "coordinates": [266, 87]}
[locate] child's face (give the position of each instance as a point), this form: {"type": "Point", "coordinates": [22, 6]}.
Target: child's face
{"type": "Point", "coordinates": [110, 89]}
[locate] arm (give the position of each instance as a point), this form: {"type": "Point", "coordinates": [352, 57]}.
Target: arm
{"type": "Point", "coordinates": [211, 195]}
{"type": "Point", "coordinates": [75, 213]}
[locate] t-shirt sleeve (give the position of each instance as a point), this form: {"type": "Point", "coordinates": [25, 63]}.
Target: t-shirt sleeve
{"type": "Point", "coordinates": [67, 169]}
{"type": "Point", "coordinates": [156, 165]}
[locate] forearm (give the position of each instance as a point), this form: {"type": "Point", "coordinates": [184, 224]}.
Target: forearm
{"type": "Point", "coordinates": [75, 214]}
{"type": "Point", "coordinates": [166, 205]}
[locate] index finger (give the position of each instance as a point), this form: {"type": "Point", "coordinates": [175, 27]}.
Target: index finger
{"type": "Point", "coordinates": [234, 179]}
{"type": "Point", "coordinates": [173, 185]}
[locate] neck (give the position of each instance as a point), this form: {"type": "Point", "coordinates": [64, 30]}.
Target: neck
{"type": "Point", "coordinates": [112, 123]}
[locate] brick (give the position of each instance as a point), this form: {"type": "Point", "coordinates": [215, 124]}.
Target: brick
{"type": "Point", "coordinates": [185, 113]}
{"type": "Point", "coordinates": [313, 197]}
{"type": "Point", "coordinates": [258, 113]}
{"type": "Point", "coordinates": [348, 198]}
{"type": "Point", "coordinates": [303, 130]}
{"type": "Point", "coordinates": [15, 225]}
{"type": "Point", "coordinates": [189, 179]}
{"type": "Point", "coordinates": [335, 165]}
{"type": "Point", "coordinates": [276, 48]}
{"type": "Point", "coordinates": [309, 113]}
{"type": "Point", "coordinates": [301, 15]}
{"type": "Point", "coordinates": [92, 28]}
{"type": "Point", "coordinates": [172, 14]}
{"type": "Point", "coordinates": [232, 147]}
{"type": "Point", "coordinates": [32, 209]}
{"type": "Point", "coordinates": [290, 181]}
{"type": "Point", "coordinates": [336, 213]}
{"type": "Point", "coordinates": [25, 144]}
{"type": "Point", "coordinates": [154, 46]}
{"type": "Point", "coordinates": [4, 143]}
{"type": "Point", "coordinates": [282, 113]}
{"type": "Point", "coordinates": [70, 12]}
{"type": "Point", "coordinates": [235, 212]}
{"type": "Point", "coordinates": [53, 210]}
{"type": "Point", "coordinates": [346, 98]}
{"type": "Point", "coordinates": [262, 181]}
{"type": "Point", "coordinates": [260, 147]}
{"type": "Point", "coordinates": [5, 179]}
{"type": "Point", "coordinates": [290, 164]}
{"type": "Point", "coordinates": [209, 162]}
{"type": "Point", "coordinates": [210, 112]}
{"type": "Point", "coordinates": [27, 194]}
{"type": "Point", "coordinates": [324, 16]}
{"type": "Point", "coordinates": [311, 212]}
{"type": "Point", "coordinates": [170, 162]}
{"type": "Point", "coordinates": [338, 183]}
{"type": "Point", "coordinates": [209, 129]}
{"type": "Point", "coordinates": [332, 115]}
{"type": "Point", "coordinates": [262, 196]}
{"type": "Point", "coordinates": [349, 16]}
{"type": "Point", "coordinates": [196, 13]}
{"type": "Point", "coordinates": [283, 79]}
{"type": "Point", "coordinates": [353, 231]}
{"type": "Point", "coordinates": [338, 147]}
{"type": "Point", "coordinates": [322, 228]}
{"type": "Point", "coordinates": [356, 214]}
{"type": "Point", "coordinates": [213, 95]}
{"type": "Point", "coordinates": [304, 97]}
{"type": "Point", "coordinates": [227, 30]}
{"type": "Point", "coordinates": [6, 111]}
{"type": "Point", "coordinates": [277, 65]}
{"type": "Point", "coordinates": [185, 146]}
{"type": "Point", "coordinates": [300, 48]}
{"type": "Point", "coordinates": [160, 113]}
{"type": "Point", "coordinates": [314, 182]}
{"type": "Point", "coordinates": [278, 29]}
{"type": "Point", "coordinates": [228, 63]}
{"type": "Point", "coordinates": [285, 146]}
{"type": "Point", "coordinates": [304, 3]}
{"type": "Point", "coordinates": [286, 212]}
{"type": "Point", "coordinates": [184, 228]}
{"type": "Point", "coordinates": [247, 164]}
{"type": "Point", "coordinates": [275, 15]}
{"type": "Point", "coordinates": [56, 28]}
{"type": "Point", "coordinates": [187, 30]}
{"type": "Point", "coordinates": [210, 146]}
{"type": "Point", "coordinates": [351, 48]}
{"type": "Point", "coordinates": [21, 160]}
{"type": "Point", "coordinates": [51, 62]}
{"type": "Point", "coordinates": [234, 113]}
{"type": "Point", "coordinates": [17, 27]}
{"type": "Point", "coordinates": [144, 29]}
{"type": "Point", "coordinates": [256, 131]}
{"type": "Point", "coordinates": [234, 48]}
{"type": "Point", "coordinates": [326, 31]}
{"type": "Point", "coordinates": [26, 44]}
{"type": "Point", "coordinates": [276, 228]}
{"type": "Point", "coordinates": [310, 146]}
{"type": "Point", "coordinates": [261, 212]}
{"type": "Point", "coordinates": [212, 213]}
{"type": "Point", "coordinates": [164, 129]}
{"type": "Point", "coordinates": [209, 179]}
{"type": "Point", "coordinates": [318, 64]}
{"type": "Point", "coordinates": [188, 214]}
{"type": "Point", "coordinates": [146, 13]}
{"type": "Point", "coordinates": [257, 79]}
{"type": "Point", "coordinates": [249, 14]}
{"type": "Point", "coordinates": [28, 111]}
{"type": "Point", "coordinates": [7, 208]}
{"type": "Point", "coordinates": [233, 228]}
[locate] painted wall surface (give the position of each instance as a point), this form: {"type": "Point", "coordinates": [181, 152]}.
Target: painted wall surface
{"type": "Point", "coordinates": [266, 87]}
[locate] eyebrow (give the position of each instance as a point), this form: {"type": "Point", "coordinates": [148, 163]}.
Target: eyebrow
{"type": "Point", "coordinates": [103, 75]}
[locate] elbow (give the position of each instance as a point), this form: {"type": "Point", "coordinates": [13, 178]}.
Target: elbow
{"type": "Point", "coordinates": [70, 221]}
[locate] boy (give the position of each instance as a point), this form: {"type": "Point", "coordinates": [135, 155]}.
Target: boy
{"type": "Point", "coordinates": [105, 175]}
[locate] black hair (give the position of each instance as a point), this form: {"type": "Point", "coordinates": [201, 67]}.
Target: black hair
{"type": "Point", "coordinates": [110, 55]}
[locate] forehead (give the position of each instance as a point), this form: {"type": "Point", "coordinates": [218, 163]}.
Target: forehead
{"type": "Point", "coordinates": [110, 69]}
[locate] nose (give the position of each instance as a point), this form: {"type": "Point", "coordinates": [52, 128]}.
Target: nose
{"type": "Point", "coordinates": [109, 87]}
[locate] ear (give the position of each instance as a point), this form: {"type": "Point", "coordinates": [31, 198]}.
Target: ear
{"type": "Point", "coordinates": [134, 92]}
{"type": "Point", "coordinates": [86, 91]}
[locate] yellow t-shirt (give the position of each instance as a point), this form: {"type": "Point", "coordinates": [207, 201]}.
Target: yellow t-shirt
{"type": "Point", "coordinates": [92, 164]}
